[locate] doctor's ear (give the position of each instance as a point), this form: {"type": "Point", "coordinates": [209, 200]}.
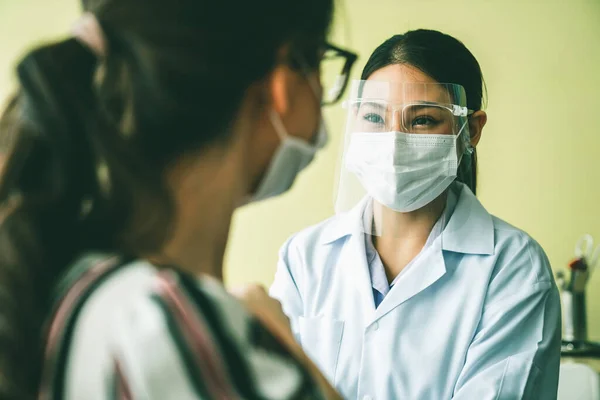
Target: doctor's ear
{"type": "Point", "coordinates": [476, 123]}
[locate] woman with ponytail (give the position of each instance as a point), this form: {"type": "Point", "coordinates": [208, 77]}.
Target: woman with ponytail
{"type": "Point", "coordinates": [127, 149]}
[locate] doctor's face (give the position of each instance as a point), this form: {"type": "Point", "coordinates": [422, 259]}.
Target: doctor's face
{"type": "Point", "coordinates": [410, 103]}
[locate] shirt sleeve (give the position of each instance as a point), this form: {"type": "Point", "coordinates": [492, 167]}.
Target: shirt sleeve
{"type": "Point", "coordinates": [184, 343]}
{"type": "Point", "coordinates": [515, 353]}
{"type": "Point", "coordinates": [285, 288]}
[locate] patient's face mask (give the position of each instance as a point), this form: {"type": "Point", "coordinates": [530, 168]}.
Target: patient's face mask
{"type": "Point", "coordinates": [291, 157]}
{"type": "Point", "coordinates": [294, 154]}
{"type": "Point", "coordinates": [403, 143]}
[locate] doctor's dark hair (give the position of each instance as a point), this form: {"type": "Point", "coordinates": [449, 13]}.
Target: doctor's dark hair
{"type": "Point", "coordinates": [444, 59]}
{"type": "Point", "coordinates": [88, 140]}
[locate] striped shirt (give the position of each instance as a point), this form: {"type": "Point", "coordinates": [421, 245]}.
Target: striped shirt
{"type": "Point", "coordinates": [128, 330]}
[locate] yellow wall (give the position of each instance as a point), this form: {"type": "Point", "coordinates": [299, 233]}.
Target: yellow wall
{"type": "Point", "coordinates": [538, 155]}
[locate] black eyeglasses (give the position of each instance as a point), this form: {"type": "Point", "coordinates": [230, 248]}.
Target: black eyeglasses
{"type": "Point", "coordinates": [335, 67]}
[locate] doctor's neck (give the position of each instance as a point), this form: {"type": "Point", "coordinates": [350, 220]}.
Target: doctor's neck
{"type": "Point", "coordinates": [401, 236]}
{"type": "Point", "coordinates": [414, 225]}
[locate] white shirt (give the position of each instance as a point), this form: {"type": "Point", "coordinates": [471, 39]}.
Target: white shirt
{"type": "Point", "coordinates": [477, 316]}
{"type": "Point", "coordinates": [379, 280]}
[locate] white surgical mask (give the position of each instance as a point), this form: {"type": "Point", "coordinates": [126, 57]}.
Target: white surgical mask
{"type": "Point", "coordinates": [403, 171]}
{"type": "Point", "coordinates": [290, 158]}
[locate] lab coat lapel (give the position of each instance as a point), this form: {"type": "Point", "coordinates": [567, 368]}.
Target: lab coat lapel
{"type": "Point", "coordinates": [427, 270]}
{"type": "Point", "coordinates": [354, 260]}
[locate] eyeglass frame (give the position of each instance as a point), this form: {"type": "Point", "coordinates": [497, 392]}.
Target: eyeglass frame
{"type": "Point", "coordinates": [456, 110]}
{"type": "Point", "coordinates": [342, 80]}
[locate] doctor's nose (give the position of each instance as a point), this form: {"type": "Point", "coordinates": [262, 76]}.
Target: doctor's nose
{"type": "Point", "coordinates": [396, 125]}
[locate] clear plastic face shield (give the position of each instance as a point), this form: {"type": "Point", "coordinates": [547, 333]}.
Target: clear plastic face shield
{"type": "Point", "coordinates": [402, 147]}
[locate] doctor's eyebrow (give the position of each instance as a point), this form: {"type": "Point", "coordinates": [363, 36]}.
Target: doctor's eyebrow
{"type": "Point", "coordinates": [379, 105]}
{"type": "Point", "coordinates": [424, 106]}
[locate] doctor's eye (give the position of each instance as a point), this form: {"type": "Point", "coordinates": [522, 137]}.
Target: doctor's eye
{"type": "Point", "coordinates": [424, 120]}
{"type": "Point", "coordinates": [374, 118]}
{"type": "Point", "coordinates": [427, 118]}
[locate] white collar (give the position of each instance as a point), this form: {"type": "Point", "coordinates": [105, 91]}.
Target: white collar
{"type": "Point", "coordinates": [469, 230]}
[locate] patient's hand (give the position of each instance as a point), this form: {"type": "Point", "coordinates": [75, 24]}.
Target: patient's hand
{"type": "Point", "coordinates": [266, 309]}
{"type": "Point", "coordinates": [269, 312]}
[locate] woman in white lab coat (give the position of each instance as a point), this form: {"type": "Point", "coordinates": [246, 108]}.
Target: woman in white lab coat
{"type": "Point", "coordinates": [413, 290]}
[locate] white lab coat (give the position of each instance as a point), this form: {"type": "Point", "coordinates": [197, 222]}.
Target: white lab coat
{"type": "Point", "coordinates": [476, 317]}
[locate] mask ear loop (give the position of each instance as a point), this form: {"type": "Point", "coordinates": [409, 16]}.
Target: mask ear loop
{"type": "Point", "coordinates": [466, 136]}
{"type": "Point", "coordinates": [278, 125]}
{"type": "Point", "coordinates": [463, 143]}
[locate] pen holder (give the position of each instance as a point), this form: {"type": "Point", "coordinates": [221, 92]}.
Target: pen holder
{"type": "Point", "coordinates": [574, 316]}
